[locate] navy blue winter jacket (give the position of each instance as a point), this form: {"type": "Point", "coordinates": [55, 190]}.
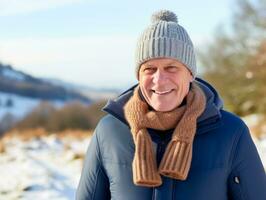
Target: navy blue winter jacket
{"type": "Point", "coordinates": [225, 162]}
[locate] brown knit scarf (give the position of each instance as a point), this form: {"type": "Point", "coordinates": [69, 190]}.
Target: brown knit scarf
{"type": "Point", "coordinates": [177, 157]}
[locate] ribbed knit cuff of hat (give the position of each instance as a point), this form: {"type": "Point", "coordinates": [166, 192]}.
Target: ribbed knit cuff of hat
{"type": "Point", "coordinates": [166, 48]}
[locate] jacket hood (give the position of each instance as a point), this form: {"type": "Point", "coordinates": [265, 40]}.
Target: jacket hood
{"type": "Point", "coordinates": [212, 111]}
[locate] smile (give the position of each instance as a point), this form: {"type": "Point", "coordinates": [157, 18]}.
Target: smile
{"type": "Point", "coordinates": [162, 92]}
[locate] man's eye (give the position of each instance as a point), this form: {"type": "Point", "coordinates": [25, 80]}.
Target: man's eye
{"type": "Point", "coordinates": [149, 69]}
{"type": "Point", "coordinates": [171, 68]}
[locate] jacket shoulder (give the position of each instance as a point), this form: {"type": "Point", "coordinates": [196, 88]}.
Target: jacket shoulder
{"type": "Point", "coordinates": [231, 120]}
{"type": "Point", "coordinates": [112, 130]}
{"type": "Point", "coordinates": [110, 123]}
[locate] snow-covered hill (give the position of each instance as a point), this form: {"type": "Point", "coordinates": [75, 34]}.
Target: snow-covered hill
{"type": "Point", "coordinates": [20, 93]}
{"type": "Point", "coordinates": [19, 106]}
{"type": "Point", "coordinates": [11, 74]}
{"type": "Point", "coordinates": [17, 82]}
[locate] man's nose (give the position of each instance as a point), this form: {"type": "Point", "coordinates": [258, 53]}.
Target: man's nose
{"type": "Point", "coordinates": [159, 76]}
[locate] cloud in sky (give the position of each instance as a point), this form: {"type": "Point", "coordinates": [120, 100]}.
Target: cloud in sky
{"type": "Point", "coordinates": [14, 7]}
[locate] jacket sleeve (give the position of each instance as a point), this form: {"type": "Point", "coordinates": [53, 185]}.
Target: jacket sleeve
{"type": "Point", "coordinates": [94, 183]}
{"type": "Point", "coordinates": [247, 180]}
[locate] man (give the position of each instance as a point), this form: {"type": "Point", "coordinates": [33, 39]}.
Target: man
{"type": "Point", "coordinates": [168, 137]}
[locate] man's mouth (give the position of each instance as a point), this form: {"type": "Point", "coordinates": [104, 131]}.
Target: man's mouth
{"type": "Point", "coordinates": [162, 92]}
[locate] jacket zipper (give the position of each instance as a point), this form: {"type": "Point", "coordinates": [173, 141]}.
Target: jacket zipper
{"type": "Point", "coordinates": [153, 193]}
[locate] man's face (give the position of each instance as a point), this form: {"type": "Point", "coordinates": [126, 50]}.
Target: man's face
{"type": "Point", "coordinates": [164, 83]}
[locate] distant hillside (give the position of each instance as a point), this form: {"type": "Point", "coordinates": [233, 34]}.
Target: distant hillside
{"type": "Point", "coordinates": [95, 94]}
{"type": "Point", "coordinates": [20, 83]}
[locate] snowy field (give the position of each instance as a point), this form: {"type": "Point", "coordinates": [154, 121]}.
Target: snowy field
{"type": "Point", "coordinates": [48, 168]}
{"type": "Point", "coordinates": [43, 169]}
{"type": "Point", "coordinates": [261, 146]}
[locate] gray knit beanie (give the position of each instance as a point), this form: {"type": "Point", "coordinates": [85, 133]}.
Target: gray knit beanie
{"type": "Point", "coordinates": [165, 38]}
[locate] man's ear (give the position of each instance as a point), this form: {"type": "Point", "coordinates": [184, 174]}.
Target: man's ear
{"type": "Point", "coordinates": [191, 78]}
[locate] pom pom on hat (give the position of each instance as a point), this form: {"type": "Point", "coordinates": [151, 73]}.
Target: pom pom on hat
{"type": "Point", "coordinates": [164, 15]}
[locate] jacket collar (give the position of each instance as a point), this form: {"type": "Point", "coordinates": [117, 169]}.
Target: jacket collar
{"type": "Point", "coordinates": [211, 115]}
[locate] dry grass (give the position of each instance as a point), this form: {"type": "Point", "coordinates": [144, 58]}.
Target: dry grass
{"type": "Point", "coordinates": [2, 147]}
{"type": "Point", "coordinates": [29, 134]}
{"type": "Point", "coordinates": [25, 135]}
{"type": "Point", "coordinates": [77, 134]}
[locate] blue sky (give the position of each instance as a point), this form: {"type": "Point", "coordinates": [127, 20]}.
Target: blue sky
{"type": "Point", "coordinates": [92, 42]}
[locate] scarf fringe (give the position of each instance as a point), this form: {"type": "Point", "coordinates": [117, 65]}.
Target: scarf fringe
{"type": "Point", "coordinates": [144, 164]}
{"type": "Point", "coordinates": [176, 160]}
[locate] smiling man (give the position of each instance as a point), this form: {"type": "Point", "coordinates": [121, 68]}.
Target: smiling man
{"type": "Point", "coordinates": [168, 137]}
{"type": "Point", "coordinates": [163, 79]}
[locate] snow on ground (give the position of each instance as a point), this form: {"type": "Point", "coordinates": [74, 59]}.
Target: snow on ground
{"type": "Point", "coordinates": [46, 168]}
{"type": "Point", "coordinates": [49, 168]}
{"type": "Point", "coordinates": [261, 146]}
{"type": "Point", "coordinates": [252, 121]}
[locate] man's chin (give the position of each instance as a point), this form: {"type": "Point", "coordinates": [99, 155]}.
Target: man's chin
{"type": "Point", "coordinates": [162, 108]}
